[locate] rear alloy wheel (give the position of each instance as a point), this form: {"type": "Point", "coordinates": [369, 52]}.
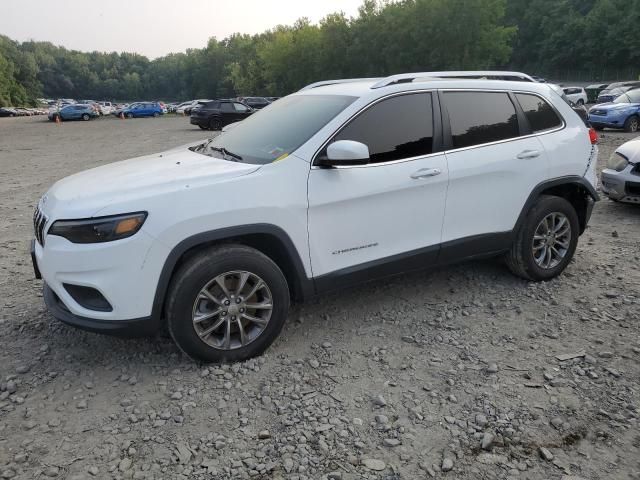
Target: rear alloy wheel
{"type": "Point", "coordinates": [632, 124]}
{"type": "Point", "coordinates": [546, 240]}
{"type": "Point", "coordinates": [215, 124]}
{"type": "Point", "coordinates": [86, 117]}
{"type": "Point", "coordinates": [227, 304]}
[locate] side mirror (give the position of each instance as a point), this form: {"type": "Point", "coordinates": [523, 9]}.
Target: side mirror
{"type": "Point", "coordinates": [345, 152]}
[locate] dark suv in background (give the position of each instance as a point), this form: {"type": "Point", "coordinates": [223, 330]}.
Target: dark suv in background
{"type": "Point", "coordinates": [216, 114]}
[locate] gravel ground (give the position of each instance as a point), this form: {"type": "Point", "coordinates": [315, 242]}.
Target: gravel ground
{"type": "Point", "coordinates": [453, 373]}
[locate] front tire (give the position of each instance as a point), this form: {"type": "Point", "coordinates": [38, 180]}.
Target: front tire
{"type": "Point", "coordinates": [86, 117]}
{"type": "Point", "coordinates": [632, 124]}
{"type": "Point", "coordinates": [546, 241]}
{"type": "Point", "coordinates": [227, 304]}
{"type": "Point", "coordinates": [129, 115]}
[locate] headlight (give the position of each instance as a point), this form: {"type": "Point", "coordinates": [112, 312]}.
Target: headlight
{"type": "Point", "coordinates": [617, 162]}
{"type": "Point", "coordinates": [99, 229]}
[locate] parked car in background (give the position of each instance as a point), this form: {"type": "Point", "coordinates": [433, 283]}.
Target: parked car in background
{"type": "Point", "coordinates": [143, 109]}
{"type": "Point", "coordinates": [171, 107]}
{"type": "Point", "coordinates": [8, 112]}
{"type": "Point", "coordinates": [329, 187]}
{"type": "Point", "coordinates": [622, 113]}
{"type": "Point", "coordinates": [74, 112]}
{"type": "Point", "coordinates": [106, 108]}
{"type": "Point", "coordinates": [614, 90]}
{"type": "Point", "coordinates": [255, 102]}
{"type": "Point", "coordinates": [181, 107]}
{"type": "Point", "coordinates": [576, 94]}
{"type": "Point", "coordinates": [272, 99]}
{"type": "Point", "coordinates": [581, 110]}
{"type": "Point", "coordinates": [538, 79]}
{"type": "Point", "coordinates": [216, 114]}
{"type": "Point", "coordinates": [621, 177]}
{"type": "Point", "coordinates": [195, 105]}
{"type": "Point", "coordinates": [594, 90]}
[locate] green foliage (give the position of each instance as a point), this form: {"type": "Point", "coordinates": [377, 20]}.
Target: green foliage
{"type": "Point", "coordinates": [386, 37]}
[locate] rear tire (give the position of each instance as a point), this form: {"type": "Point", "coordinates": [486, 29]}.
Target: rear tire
{"type": "Point", "coordinates": [86, 117]}
{"type": "Point", "coordinates": [580, 102]}
{"type": "Point", "coordinates": [215, 124]}
{"type": "Point", "coordinates": [632, 124]}
{"type": "Point", "coordinates": [255, 321]}
{"type": "Point", "coordinates": [524, 258]}
{"type": "Point", "coordinates": [156, 114]}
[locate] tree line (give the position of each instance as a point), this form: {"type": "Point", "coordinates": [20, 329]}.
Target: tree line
{"type": "Point", "coordinates": [384, 38]}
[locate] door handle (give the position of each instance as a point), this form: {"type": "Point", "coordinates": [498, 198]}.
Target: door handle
{"type": "Point", "coordinates": [528, 154]}
{"type": "Point", "coordinates": [426, 172]}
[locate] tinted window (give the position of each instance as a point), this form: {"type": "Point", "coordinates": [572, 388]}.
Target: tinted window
{"type": "Point", "coordinates": [538, 112]}
{"type": "Point", "coordinates": [226, 107]}
{"type": "Point", "coordinates": [239, 107]}
{"type": "Point", "coordinates": [480, 117]}
{"type": "Point", "coordinates": [396, 128]}
{"type": "Point", "coordinates": [212, 105]}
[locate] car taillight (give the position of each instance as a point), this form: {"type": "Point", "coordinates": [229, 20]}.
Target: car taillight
{"type": "Point", "coordinates": [593, 136]}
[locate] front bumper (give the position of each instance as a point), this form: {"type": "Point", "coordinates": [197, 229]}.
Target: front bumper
{"type": "Point", "coordinates": [621, 186]}
{"type": "Point", "coordinates": [125, 273]}
{"type": "Point", "coordinates": [126, 328]}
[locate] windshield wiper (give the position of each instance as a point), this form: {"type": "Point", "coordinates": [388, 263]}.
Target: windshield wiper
{"type": "Point", "coordinates": [226, 152]}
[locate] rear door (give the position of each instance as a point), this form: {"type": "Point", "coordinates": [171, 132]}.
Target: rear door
{"type": "Point", "coordinates": [494, 164]}
{"type": "Point", "coordinates": [384, 217]}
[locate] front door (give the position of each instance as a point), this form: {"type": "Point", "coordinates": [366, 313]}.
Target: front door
{"type": "Point", "coordinates": [377, 219]}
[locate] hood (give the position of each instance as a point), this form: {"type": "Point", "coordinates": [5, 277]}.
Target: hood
{"type": "Point", "coordinates": [615, 106]}
{"type": "Point", "coordinates": [86, 193]}
{"type": "Point", "coordinates": [631, 150]}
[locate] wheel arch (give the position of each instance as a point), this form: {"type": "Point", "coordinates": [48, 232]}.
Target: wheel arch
{"type": "Point", "coordinates": [576, 190]}
{"type": "Point", "coordinates": [266, 238]}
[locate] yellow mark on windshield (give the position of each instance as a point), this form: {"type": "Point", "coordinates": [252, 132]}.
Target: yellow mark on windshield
{"type": "Point", "coordinates": [281, 157]}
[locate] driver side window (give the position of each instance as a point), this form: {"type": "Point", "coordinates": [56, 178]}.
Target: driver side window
{"type": "Point", "coordinates": [396, 128]}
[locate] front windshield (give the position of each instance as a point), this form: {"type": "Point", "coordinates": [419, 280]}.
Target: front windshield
{"type": "Point", "coordinates": [277, 130]}
{"type": "Point", "coordinates": [632, 96]}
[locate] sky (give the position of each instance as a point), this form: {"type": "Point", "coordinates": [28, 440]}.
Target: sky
{"type": "Point", "coordinates": [153, 27]}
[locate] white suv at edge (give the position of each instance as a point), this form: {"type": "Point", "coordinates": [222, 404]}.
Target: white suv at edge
{"type": "Point", "coordinates": [342, 182]}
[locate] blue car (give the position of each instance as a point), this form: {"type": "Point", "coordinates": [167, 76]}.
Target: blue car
{"type": "Point", "coordinates": [622, 113]}
{"type": "Point", "coordinates": [74, 112]}
{"type": "Point", "coordinates": [143, 109]}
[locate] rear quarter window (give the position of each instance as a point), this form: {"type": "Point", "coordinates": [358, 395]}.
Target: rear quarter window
{"type": "Point", "coordinates": [539, 113]}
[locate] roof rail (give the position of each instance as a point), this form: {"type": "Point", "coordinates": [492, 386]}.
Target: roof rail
{"type": "Point", "coordinates": [489, 74]}
{"type": "Point", "coordinates": [334, 82]}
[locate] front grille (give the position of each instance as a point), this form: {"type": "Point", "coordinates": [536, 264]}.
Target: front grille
{"type": "Point", "coordinates": [632, 188]}
{"type": "Point", "coordinates": [39, 222]}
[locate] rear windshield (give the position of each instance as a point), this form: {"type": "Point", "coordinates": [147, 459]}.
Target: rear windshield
{"type": "Point", "coordinates": [279, 129]}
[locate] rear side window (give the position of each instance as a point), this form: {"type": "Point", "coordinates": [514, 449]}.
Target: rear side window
{"type": "Point", "coordinates": [480, 117]}
{"type": "Point", "coordinates": [394, 129]}
{"type": "Point", "coordinates": [226, 107]}
{"type": "Point", "coordinates": [539, 113]}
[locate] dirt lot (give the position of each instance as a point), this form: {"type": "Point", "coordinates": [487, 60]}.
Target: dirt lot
{"type": "Point", "coordinates": [448, 374]}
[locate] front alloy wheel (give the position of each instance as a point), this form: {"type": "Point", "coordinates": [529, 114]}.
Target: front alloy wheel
{"type": "Point", "coordinates": [232, 310]}
{"type": "Point", "coordinates": [226, 304]}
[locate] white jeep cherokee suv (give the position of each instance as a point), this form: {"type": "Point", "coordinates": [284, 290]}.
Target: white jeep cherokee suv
{"type": "Point", "coordinates": [342, 182]}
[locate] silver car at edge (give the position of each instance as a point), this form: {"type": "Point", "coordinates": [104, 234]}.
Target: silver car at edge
{"type": "Point", "coordinates": [621, 178]}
